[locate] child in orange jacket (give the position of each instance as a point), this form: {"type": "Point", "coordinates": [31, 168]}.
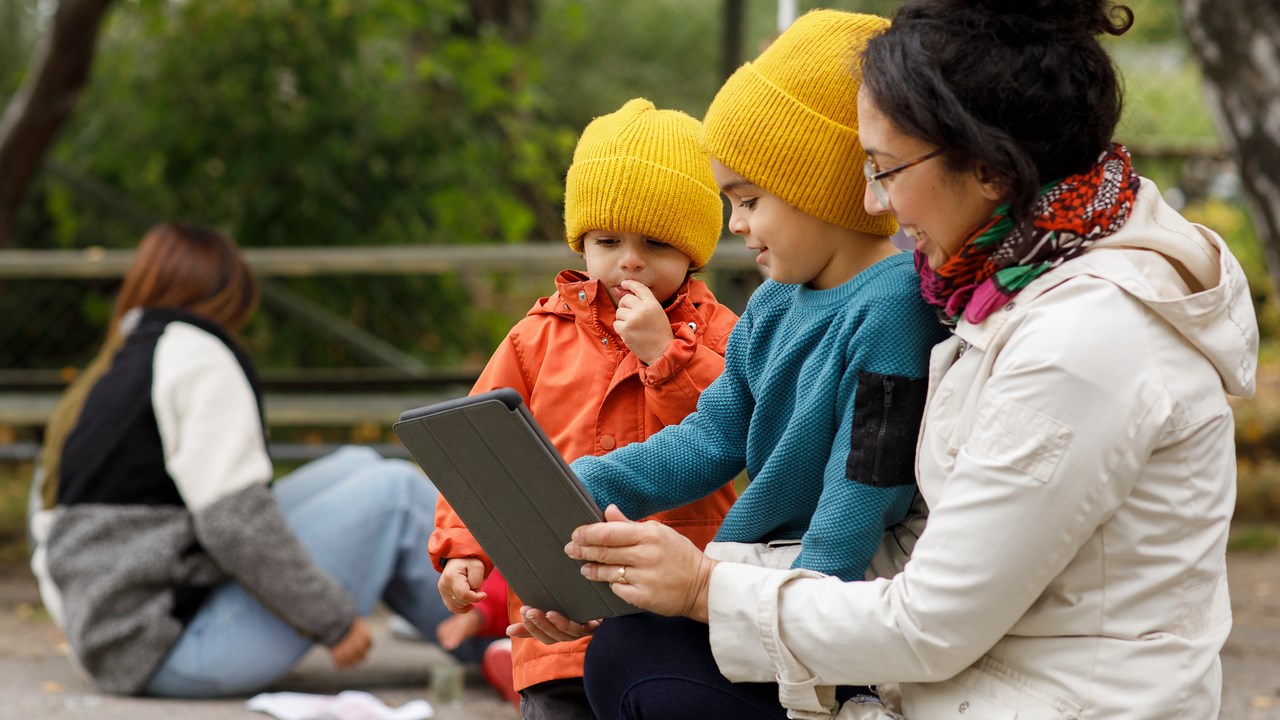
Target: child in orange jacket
{"type": "Point", "coordinates": [617, 353]}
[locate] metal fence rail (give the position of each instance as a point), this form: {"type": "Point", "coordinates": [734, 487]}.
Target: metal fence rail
{"type": "Point", "coordinates": [537, 259]}
{"type": "Point", "coordinates": [387, 328]}
{"type": "Point", "coordinates": [408, 311]}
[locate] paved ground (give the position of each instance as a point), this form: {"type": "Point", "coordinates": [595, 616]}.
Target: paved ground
{"type": "Point", "coordinates": [38, 681]}
{"type": "Point", "coordinates": [1251, 659]}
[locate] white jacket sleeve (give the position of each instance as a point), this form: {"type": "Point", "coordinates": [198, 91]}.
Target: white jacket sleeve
{"type": "Point", "coordinates": [207, 417]}
{"type": "Point", "coordinates": [1059, 441]}
{"type": "Point", "coordinates": [215, 452]}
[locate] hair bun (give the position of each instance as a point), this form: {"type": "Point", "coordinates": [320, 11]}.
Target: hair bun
{"type": "Point", "coordinates": [1049, 17]}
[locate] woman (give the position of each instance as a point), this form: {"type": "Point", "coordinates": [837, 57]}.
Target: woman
{"type": "Point", "coordinates": [1076, 451]}
{"type": "Point", "coordinates": [174, 565]}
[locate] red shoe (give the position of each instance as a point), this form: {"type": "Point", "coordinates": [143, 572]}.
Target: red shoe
{"type": "Point", "coordinates": [496, 667]}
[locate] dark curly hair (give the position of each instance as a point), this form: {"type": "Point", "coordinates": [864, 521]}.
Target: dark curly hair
{"type": "Point", "coordinates": [1022, 87]}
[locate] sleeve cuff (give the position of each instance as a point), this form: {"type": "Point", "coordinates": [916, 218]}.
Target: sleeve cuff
{"type": "Point", "coordinates": [447, 543]}
{"type": "Point", "coordinates": [679, 352]}
{"type": "Point", "coordinates": [741, 614]}
{"type": "Point", "coordinates": [732, 611]}
{"type": "Point", "coordinates": [746, 641]}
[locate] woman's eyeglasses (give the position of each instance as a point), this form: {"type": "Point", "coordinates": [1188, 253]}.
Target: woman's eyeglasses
{"type": "Point", "coordinates": [876, 176]}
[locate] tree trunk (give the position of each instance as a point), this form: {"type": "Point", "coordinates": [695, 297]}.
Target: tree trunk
{"type": "Point", "coordinates": [1235, 45]}
{"type": "Point", "coordinates": [733, 20]}
{"type": "Point", "coordinates": [45, 100]}
{"type": "Point", "coordinates": [514, 19]}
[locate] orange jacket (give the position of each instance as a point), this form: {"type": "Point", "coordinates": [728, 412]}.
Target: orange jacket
{"type": "Point", "coordinates": [591, 395]}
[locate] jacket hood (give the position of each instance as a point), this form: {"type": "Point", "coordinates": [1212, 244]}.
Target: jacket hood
{"type": "Point", "coordinates": [1184, 273]}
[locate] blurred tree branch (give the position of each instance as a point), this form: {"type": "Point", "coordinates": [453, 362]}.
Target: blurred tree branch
{"type": "Point", "coordinates": [733, 20]}
{"type": "Point", "coordinates": [45, 100]}
{"type": "Point", "coordinates": [514, 19]}
{"type": "Point", "coordinates": [1235, 45]}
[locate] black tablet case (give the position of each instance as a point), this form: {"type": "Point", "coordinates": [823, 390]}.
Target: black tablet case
{"type": "Point", "coordinates": [506, 480]}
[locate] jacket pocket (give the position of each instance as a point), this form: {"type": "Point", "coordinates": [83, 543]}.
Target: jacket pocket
{"type": "Point", "coordinates": [886, 423]}
{"type": "Point", "coordinates": [989, 690]}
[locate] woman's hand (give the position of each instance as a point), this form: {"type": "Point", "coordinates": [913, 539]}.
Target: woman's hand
{"type": "Point", "coordinates": [647, 564]}
{"type": "Point", "coordinates": [642, 323]}
{"type": "Point", "coordinates": [549, 628]}
{"type": "Point", "coordinates": [460, 582]}
{"type": "Point", "coordinates": [352, 649]}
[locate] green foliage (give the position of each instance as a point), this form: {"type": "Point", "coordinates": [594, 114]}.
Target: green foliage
{"type": "Point", "coordinates": [16, 42]}
{"type": "Point", "coordinates": [15, 481]}
{"type": "Point", "coordinates": [1253, 537]}
{"type": "Point", "coordinates": [1163, 98]}
{"type": "Point", "coordinates": [318, 123]}
{"type": "Point", "coordinates": [341, 122]}
{"type": "Point", "coordinates": [1154, 21]}
{"type": "Point", "coordinates": [598, 55]}
{"type": "Point", "coordinates": [1230, 219]}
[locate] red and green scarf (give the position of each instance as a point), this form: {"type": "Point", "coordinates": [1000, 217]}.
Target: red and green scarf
{"type": "Point", "coordinates": [998, 260]}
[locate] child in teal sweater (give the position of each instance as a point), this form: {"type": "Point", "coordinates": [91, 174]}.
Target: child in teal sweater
{"type": "Point", "coordinates": [820, 401]}
{"type": "Point", "coordinates": [824, 379]}
{"type": "Point", "coordinates": [822, 392]}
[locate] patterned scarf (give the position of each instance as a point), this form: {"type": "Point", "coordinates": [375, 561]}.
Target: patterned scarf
{"type": "Point", "coordinates": [998, 260]}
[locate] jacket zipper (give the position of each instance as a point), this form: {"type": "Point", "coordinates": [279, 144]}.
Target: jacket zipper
{"type": "Point", "coordinates": [884, 428]}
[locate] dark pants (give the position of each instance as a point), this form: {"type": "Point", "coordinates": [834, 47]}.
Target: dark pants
{"type": "Point", "coordinates": [555, 700]}
{"type": "Point", "coordinates": [648, 667]}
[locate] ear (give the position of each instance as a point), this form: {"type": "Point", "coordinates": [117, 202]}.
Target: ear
{"type": "Point", "coordinates": [993, 186]}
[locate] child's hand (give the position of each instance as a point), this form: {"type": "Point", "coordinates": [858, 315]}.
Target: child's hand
{"type": "Point", "coordinates": [460, 584]}
{"type": "Point", "coordinates": [454, 630]}
{"type": "Point", "coordinates": [642, 324]}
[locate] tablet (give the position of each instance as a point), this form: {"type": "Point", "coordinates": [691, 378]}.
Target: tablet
{"type": "Point", "coordinates": [488, 456]}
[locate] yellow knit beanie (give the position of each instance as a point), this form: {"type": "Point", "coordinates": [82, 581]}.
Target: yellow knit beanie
{"type": "Point", "coordinates": [788, 122]}
{"type": "Point", "coordinates": [644, 170]}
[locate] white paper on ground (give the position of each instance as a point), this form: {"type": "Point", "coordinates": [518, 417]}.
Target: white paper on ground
{"type": "Point", "coordinates": [346, 705]}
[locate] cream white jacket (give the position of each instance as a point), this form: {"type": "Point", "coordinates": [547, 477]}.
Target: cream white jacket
{"type": "Point", "coordinates": [1077, 457]}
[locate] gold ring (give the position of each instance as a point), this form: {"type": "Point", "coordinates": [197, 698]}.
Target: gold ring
{"type": "Point", "coordinates": [621, 579]}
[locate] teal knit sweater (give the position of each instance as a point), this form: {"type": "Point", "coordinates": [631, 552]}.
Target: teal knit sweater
{"type": "Point", "coordinates": [785, 410]}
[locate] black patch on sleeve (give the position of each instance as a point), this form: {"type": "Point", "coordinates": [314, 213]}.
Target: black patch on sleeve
{"type": "Point", "coordinates": [887, 410]}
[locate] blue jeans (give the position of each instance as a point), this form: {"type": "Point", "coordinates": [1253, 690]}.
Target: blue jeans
{"type": "Point", "coordinates": [366, 521]}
